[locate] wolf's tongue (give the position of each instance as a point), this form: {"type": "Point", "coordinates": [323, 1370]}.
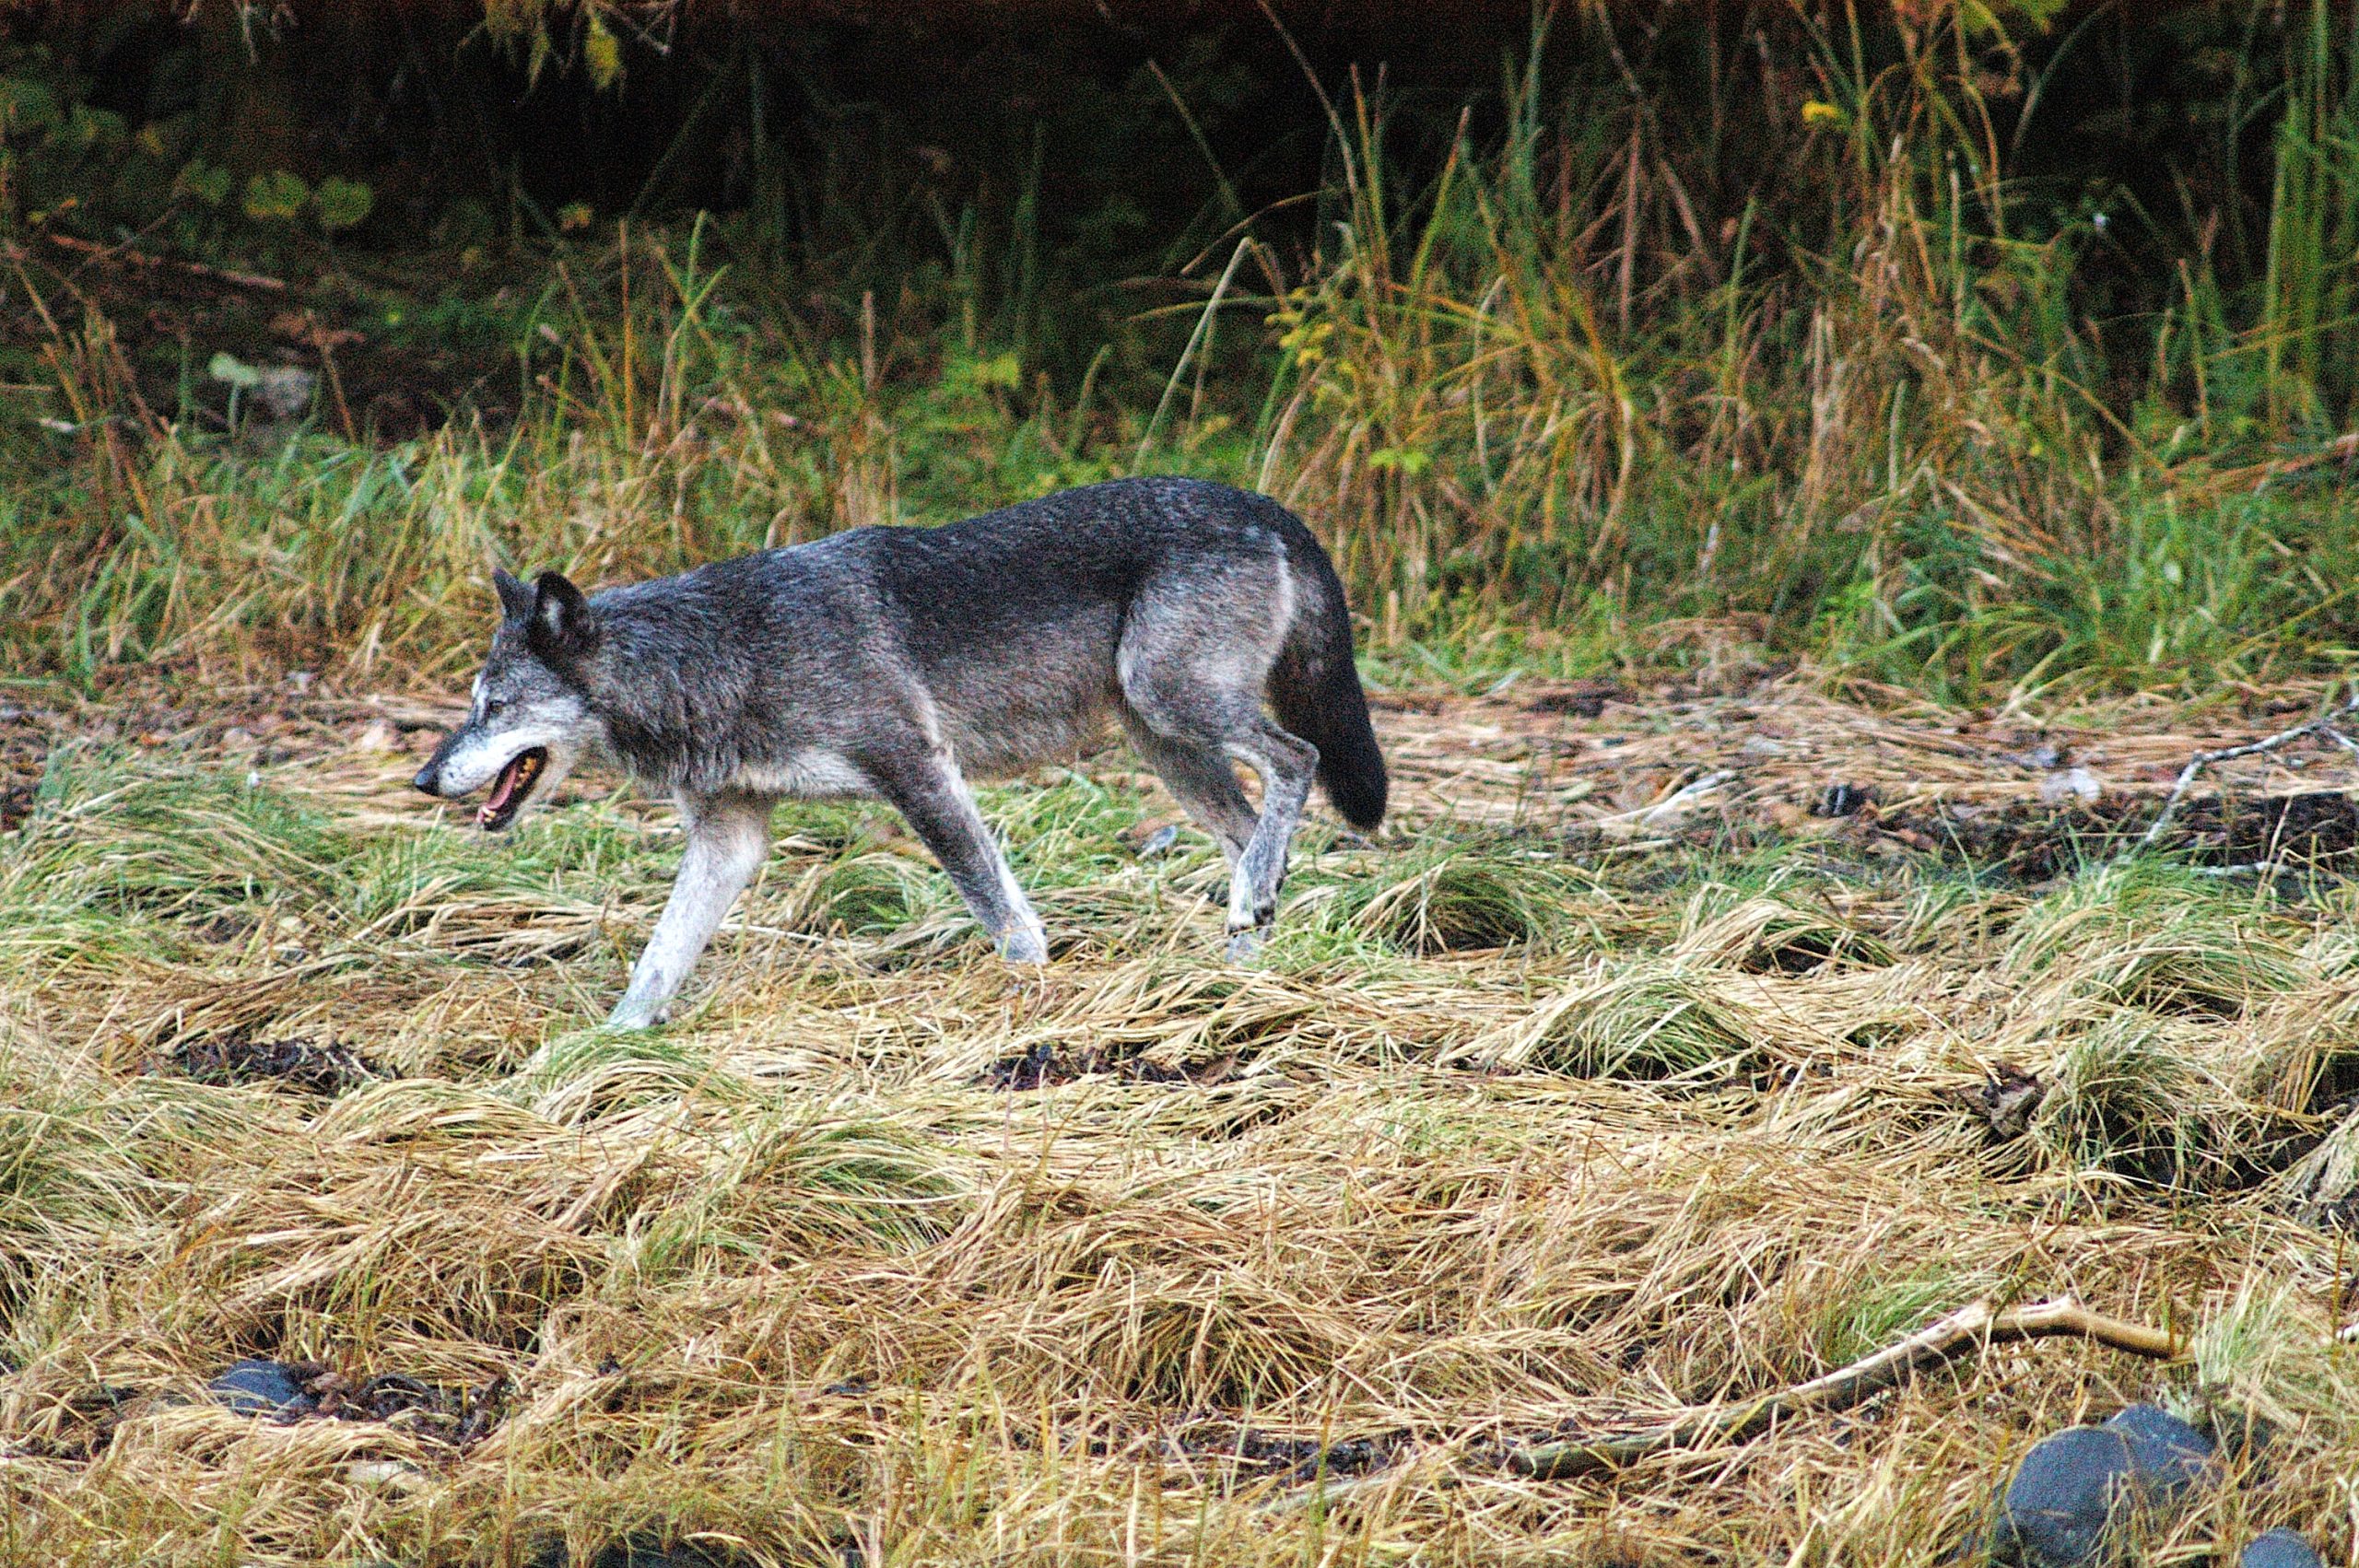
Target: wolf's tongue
{"type": "Point", "coordinates": [504, 789]}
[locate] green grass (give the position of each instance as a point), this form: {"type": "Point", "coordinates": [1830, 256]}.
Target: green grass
{"type": "Point", "coordinates": [1858, 1318]}
{"type": "Point", "coordinates": [183, 843]}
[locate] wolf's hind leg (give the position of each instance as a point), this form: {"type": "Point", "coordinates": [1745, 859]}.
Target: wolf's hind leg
{"type": "Point", "coordinates": [728, 835]}
{"type": "Point", "coordinates": [1203, 781]}
{"type": "Point", "coordinates": [1225, 724]}
{"type": "Point", "coordinates": [1286, 764]}
{"type": "Point", "coordinates": [926, 788]}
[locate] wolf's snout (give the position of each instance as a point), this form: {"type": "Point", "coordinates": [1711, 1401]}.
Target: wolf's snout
{"type": "Point", "coordinates": [429, 778]}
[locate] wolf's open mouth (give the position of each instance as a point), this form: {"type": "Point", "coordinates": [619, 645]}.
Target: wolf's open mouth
{"type": "Point", "coordinates": [508, 790]}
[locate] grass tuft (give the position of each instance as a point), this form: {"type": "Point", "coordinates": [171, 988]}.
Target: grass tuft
{"type": "Point", "coordinates": [2156, 1101]}
{"type": "Point", "coordinates": [1644, 1020]}
{"type": "Point", "coordinates": [1777, 936]}
{"type": "Point", "coordinates": [2156, 939]}
{"type": "Point", "coordinates": [1461, 897]}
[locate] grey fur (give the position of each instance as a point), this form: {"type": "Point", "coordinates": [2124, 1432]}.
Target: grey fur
{"type": "Point", "coordinates": [899, 662]}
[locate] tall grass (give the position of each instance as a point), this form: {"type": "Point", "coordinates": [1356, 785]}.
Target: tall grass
{"type": "Point", "coordinates": [1583, 365]}
{"type": "Point", "coordinates": [1552, 379]}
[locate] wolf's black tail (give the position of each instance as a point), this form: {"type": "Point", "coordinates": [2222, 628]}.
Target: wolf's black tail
{"type": "Point", "coordinates": [1316, 690]}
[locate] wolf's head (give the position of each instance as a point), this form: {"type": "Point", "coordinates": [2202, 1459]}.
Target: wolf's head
{"type": "Point", "coordinates": [530, 720]}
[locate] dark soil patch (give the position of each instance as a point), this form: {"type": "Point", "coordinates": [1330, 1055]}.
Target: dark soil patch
{"type": "Point", "coordinates": [457, 1416]}
{"type": "Point", "coordinates": [2267, 1152]}
{"type": "Point", "coordinates": [1045, 1066]}
{"type": "Point", "coordinates": [1297, 1460]}
{"type": "Point", "coordinates": [1582, 699]}
{"type": "Point", "coordinates": [1807, 949]}
{"type": "Point", "coordinates": [17, 799]}
{"type": "Point", "coordinates": [288, 1392]}
{"type": "Point", "coordinates": [24, 751]}
{"type": "Point", "coordinates": [2034, 841]}
{"type": "Point", "coordinates": [2339, 1217]}
{"type": "Point", "coordinates": [92, 1416]}
{"type": "Point", "coordinates": [648, 1548]}
{"type": "Point", "coordinates": [234, 1059]}
{"type": "Point", "coordinates": [2312, 829]}
{"type": "Point", "coordinates": [1843, 799]}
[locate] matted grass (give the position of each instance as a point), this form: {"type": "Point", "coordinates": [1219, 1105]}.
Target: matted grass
{"type": "Point", "coordinates": [878, 1254]}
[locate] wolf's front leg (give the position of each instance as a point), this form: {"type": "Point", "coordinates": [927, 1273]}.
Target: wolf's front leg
{"type": "Point", "coordinates": [926, 788]}
{"type": "Point", "coordinates": [728, 835]}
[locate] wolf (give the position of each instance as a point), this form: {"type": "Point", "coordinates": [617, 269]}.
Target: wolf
{"type": "Point", "coordinates": [901, 662]}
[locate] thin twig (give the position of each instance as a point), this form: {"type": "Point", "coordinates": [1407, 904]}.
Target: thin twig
{"type": "Point", "coordinates": [1972, 1328]}
{"type": "Point", "coordinates": [142, 259]}
{"type": "Point", "coordinates": [2324, 724]}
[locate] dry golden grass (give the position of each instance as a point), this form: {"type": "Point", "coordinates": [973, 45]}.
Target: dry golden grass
{"type": "Point", "coordinates": [804, 1275]}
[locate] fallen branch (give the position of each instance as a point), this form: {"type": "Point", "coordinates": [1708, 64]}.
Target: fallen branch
{"type": "Point", "coordinates": [142, 259]}
{"type": "Point", "coordinates": [2322, 725]}
{"type": "Point", "coordinates": [1974, 1327]}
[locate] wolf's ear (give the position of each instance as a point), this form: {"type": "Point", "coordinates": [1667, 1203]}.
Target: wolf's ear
{"type": "Point", "coordinates": [516, 599]}
{"type": "Point", "coordinates": [562, 627]}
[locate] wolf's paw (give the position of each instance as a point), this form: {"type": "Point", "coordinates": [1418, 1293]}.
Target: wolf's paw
{"type": "Point", "coordinates": [1026, 945]}
{"type": "Point", "coordinates": [1245, 946]}
{"type": "Point", "coordinates": [628, 1014]}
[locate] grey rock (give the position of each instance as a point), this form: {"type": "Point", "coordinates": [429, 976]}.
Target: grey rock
{"type": "Point", "coordinates": [259, 1387]}
{"type": "Point", "coordinates": [2075, 1483]}
{"type": "Point", "coordinates": [2280, 1548]}
{"type": "Point", "coordinates": [2061, 1498]}
{"type": "Point", "coordinates": [2167, 1456]}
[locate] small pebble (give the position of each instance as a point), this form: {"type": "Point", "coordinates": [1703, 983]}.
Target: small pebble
{"type": "Point", "coordinates": [2071, 784]}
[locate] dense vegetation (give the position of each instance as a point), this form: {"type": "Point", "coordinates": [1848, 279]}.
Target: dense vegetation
{"type": "Point", "coordinates": [1970, 348]}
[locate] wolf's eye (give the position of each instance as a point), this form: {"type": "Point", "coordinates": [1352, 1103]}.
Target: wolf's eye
{"type": "Point", "coordinates": [492, 704]}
